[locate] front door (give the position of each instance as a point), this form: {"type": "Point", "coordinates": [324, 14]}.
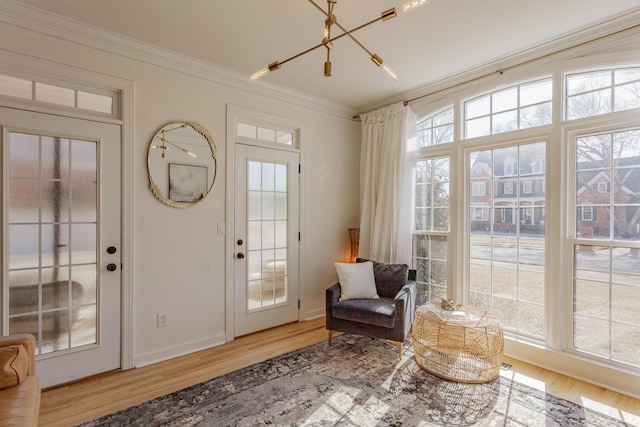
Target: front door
{"type": "Point", "coordinates": [61, 241]}
{"type": "Point", "coordinates": [266, 237]}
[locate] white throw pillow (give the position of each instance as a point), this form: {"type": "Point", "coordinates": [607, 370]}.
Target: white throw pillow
{"type": "Point", "coordinates": [356, 280]}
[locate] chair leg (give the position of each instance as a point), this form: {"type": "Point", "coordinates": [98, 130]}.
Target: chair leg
{"type": "Point", "coordinates": [398, 344]}
{"type": "Point", "coordinates": [330, 335]}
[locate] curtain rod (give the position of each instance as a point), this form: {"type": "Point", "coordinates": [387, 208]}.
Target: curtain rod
{"type": "Point", "coordinates": [520, 64]}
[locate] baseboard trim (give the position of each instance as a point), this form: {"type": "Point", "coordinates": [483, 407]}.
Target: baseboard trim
{"type": "Point", "coordinates": [572, 365]}
{"type": "Point", "coordinates": [182, 349]}
{"type": "Point", "coordinates": [312, 314]}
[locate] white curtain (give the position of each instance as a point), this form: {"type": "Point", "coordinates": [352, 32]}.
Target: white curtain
{"type": "Point", "coordinates": [386, 173]}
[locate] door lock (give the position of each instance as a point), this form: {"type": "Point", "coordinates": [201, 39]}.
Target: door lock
{"type": "Point", "coordinates": [240, 255]}
{"type": "Point", "coordinates": [112, 267]}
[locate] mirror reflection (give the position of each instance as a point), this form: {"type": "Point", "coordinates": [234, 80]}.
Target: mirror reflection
{"type": "Point", "coordinates": [182, 164]}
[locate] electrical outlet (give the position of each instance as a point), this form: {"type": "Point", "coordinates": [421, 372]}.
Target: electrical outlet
{"type": "Point", "coordinates": [163, 320]}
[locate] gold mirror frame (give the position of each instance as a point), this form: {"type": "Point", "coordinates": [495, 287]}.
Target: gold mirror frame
{"type": "Point", "coordinates": [183, 155]}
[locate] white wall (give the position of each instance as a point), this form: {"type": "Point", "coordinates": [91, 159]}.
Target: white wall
{"type": "Point", "coordinates": [178, 257]}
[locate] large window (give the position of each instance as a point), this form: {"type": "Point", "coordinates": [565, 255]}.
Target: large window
{"type": "Point", "coordinates": [570, 283]}
{"type": "Point", "coordinates": [600, 92]}
{"type": "Point", "coordinates": [436, 129]}
{"type": "Point", "coordinates": [432, 226]}
{"type": "Point", "coordinates": [606, 319]}
{"type": "Point", "coordinates": [518, 107]}
{"type": "Point", "coordinates": [506, 249]}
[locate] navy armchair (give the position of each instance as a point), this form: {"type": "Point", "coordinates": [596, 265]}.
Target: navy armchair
{"type": "Point", "coordinates": [389, 317]}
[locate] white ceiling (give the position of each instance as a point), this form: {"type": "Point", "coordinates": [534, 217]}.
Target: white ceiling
{"type": "Point", "coordinates": [435, 41]}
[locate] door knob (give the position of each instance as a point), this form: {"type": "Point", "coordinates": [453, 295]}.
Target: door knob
{"type": "Point", "coordinates": [240, 255]}
{"type": "Point", "coordinates": [112, 267]}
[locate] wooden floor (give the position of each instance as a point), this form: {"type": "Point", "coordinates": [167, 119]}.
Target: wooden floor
{"type": "Point", "coordinates": [97, 396]}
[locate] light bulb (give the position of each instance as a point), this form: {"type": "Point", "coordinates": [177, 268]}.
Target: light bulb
{"type": "Point", "coordinates": [414, 4]}
{"type": "Point", "coordinates": [260, 73]}
{"type": "Point", "coordinates": [389, 71]}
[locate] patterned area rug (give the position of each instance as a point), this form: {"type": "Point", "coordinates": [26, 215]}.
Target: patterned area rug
{"type": "Point", "coordinates": [355, 382]}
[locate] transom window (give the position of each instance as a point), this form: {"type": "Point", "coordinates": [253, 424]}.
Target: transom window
{"type": "Point", "coordinates": [268, 134]}
{"type": "Point", "coordinates": [601, 92]}
{"type": "Point", "coordinates": [58, 95]}
{"type": "Point", "coordinates": [517, 107]}
{"type": "Point", "coordinates": [436, 129]}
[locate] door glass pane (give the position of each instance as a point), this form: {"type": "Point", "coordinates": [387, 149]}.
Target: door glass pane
{"type": "Point", "coordinates": [52, 267]}
{"type": "Point", "coordinates": [267, 201]}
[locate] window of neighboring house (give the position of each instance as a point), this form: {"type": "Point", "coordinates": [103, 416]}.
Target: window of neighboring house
{"type": "Point", "coordinates": [517, 107]}
{"type": "Point", "coordinates": [508, 188]}
{"type": "Point", "coordinates": [537, 166]}
{"type": "Point", "coordinates": [436, 129]}
{"type": "Point", "coordinates": [480, 213]}
{"type": "Point", "coordinates": [603, 187]}
{"type": "Point", "coordinates": [527, 187]}
{"type": "Point", "coordinates": [478, 188]}
{"type": "Point", "coordinates": [507, 263]}
{"type": "Point", "coordinates": [510, 166]}
{"type": "Point", "coordinates": [601, 92]}
{"type": "Point", "coordinates": [606, 284]}
{"type": "Point", "coordinates": [432, 227]}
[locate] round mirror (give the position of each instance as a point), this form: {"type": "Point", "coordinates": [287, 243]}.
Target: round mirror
{"type": "Point", "coordinates": [182, 164]}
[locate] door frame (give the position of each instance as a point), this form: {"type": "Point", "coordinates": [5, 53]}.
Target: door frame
{"type": "Point", "coordinates": [235, 114]}
{"type": "Point", "coordinates": [58, 72]}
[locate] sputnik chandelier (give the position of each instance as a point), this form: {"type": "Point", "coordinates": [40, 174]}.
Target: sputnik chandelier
{"type": "Point", "coordinates": [328, 39]}
{"type": "Point", "coordinates": [161, 136]}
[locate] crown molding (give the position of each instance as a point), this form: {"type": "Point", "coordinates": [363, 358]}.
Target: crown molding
{"type": "Point", "coordinates": [603, 35]}
{"type": "Point", "coordinates": [33, 19]}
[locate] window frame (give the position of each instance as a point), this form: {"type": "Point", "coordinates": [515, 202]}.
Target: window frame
{"type": "Point", "coordinates": [555, 213]}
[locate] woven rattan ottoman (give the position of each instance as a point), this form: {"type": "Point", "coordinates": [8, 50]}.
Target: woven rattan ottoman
{"type": "Point", "coordinates": [465, 347]}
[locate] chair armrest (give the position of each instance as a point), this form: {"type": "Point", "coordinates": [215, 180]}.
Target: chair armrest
{"type": "Point", "coordinates": [28, 342]}
{"type": "Point", "coordinates": [333, 294]}
{"type": "Point", "coordinates": [406, 295]}
{"type": "Point", "coordinates": [405, 301]}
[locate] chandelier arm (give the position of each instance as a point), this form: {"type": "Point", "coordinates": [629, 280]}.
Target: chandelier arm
{"type": "Point", "coordinates": [387, 14]}
{"type": "Point", "coordinates": [347, 33]}
{"type": "Point", "coordinates": [384, 16]}
{"type": "Point", "coordinates": [184, 150]}
{"type": "Point", "coordinates": [300, 54]}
